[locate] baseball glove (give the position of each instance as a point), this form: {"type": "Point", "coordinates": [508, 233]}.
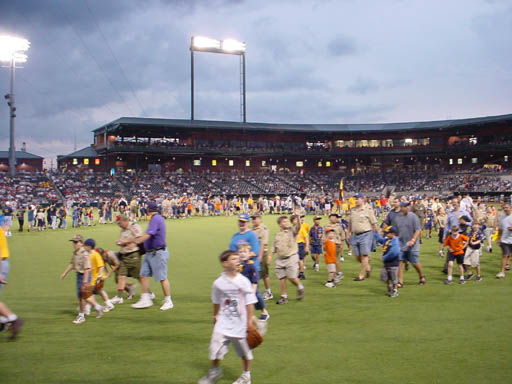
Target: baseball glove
{"type": "Point", "coordinates": [253, 337]}
{"type": "Point", "coordinates": [99, 285]}
{"type": "Point", "coordinates": [86, 291]}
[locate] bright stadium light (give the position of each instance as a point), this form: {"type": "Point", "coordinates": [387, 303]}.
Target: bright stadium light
{"type": "Point", "coordinates": [227, 46]}
{"type": "Point", "coordinates": [12, 51]}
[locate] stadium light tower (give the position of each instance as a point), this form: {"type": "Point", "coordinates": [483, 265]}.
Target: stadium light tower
{"type": "Point", "coordinates": [12, 51]}
{"type": "Point", "coordinates": [229, 47]}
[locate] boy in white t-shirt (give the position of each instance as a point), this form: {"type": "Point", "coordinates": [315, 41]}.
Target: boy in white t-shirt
{"type": "Point", "coordinates": [233, 299]}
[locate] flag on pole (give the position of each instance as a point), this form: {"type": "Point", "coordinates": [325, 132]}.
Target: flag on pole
{"type": "Point", "coordinates": [341, 189]}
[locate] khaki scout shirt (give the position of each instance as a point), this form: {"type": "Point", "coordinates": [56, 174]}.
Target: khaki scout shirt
{"type": "Point", "coordinates": [285, 243]}
{"type": "Point", "coordinates": [491, 221]}
{"type": "Point", "coordinates": [441, 220]}
{"type": "Point", "coordinates": [81, 260]}
{"type": "Point", "coordinates": [262, 232]}
{"type": "Point", "coordinates": [129, 234]}
{"type": "Point", "coordinates": [339, 233]}
{"type": "Point", "coordinates": [361, 220]}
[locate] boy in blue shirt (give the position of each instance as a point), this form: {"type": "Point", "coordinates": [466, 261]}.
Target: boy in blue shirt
{"type": "Point", "coordinates": [390, 257]}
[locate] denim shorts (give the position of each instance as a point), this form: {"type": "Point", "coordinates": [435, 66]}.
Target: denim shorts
{"type": "Point", "coordinates": [155, 264]}
{"type": "Point", "coordinates": [410, 256]}
{"type": "Point", "coordinates": [79, 282]}
{"type": "Point", "coordinates": [302, 251]}
{"type": "Point", "coordinates": [362, 243]}
{"type": "Point", "coordinates": [316, 249]}
{"type": "Point", "coordinates": [5, 271]}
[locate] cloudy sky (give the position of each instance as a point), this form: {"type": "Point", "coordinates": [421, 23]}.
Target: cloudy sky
{"type": "Point", "coordinates": [338, 61]}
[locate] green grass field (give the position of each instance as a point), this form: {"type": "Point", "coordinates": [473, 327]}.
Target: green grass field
{"type": "Point", "coordinates": [351, 334]}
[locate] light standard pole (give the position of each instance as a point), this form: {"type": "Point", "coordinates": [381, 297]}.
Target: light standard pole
{"type": "Point", "coordinates": [229, 47]}
{"type": "Point", "coordinates": [11, 50]}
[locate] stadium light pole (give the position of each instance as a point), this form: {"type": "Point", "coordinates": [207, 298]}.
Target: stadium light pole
{"type": "Point", "coordinates": [229, 47]}
{"type": "Point", "coordinates": [11, 51]}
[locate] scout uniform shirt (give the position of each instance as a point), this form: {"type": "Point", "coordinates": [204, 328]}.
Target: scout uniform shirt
{"type": "Point", "coordinates": [130, 234]}
{"type": "Point", "coordinates": [80, 260]}
{"type": "Point", "coordinates": [361, 220]}
{"type": "Point", "coordinates": [262, 233]}
{"type": "Point", "coordinates": [285, 243]}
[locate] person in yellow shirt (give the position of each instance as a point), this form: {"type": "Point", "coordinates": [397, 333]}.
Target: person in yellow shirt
{"type": "Point", "coordinates": [97, 276]}
{"type": "Point", "coordinates": [303, 242]}
{"type": "Point", "coordinates": [7, 318]}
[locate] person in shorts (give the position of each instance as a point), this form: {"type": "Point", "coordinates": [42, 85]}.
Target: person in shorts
{"type": "Point", "coordinates": [505, 236]}
{"type": "Point", "coordinates": [302, 243]}
{"type": "Point", "coordinates": [330, 258]}
{"type": "Point", "coordinates": [233, 299]}
{"type": "Point", "coordinates": [473, 252]}
{"type": "Point", "coordinates": [456, 243]}
{"type": "Point", "coordinates": [316, 238]}
{"type": "Point", "coordinates": [287, 262]}
{"type": "Point", "coordinates": [390, 258]}
{"type": "Point", "coordinates": [129, 256]}
{"type": "Point", "coordinates": [262, 233]}
{"type": "Point", "coordinates": [112, 264]}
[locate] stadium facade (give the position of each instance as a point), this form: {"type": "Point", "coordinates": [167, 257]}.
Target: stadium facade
{"type": "Point", "coordinates": [198, 145]}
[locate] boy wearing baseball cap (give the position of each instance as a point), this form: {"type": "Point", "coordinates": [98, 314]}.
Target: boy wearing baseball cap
{"type": "Point", "coordinates": [390, 257]}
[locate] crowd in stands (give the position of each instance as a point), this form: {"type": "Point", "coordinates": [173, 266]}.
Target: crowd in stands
{"type": "Point", "coordinates": [35, 187]}
{"type": "Point", "coordinates": [87, 186]}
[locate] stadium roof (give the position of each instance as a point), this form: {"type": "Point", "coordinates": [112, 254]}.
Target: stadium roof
{"type": "Point", "coordinates": [81, 153]}
{"type": "Point", "coordinates": [20, 155]}
{"type": "Point", "coordinates": [318, 128]}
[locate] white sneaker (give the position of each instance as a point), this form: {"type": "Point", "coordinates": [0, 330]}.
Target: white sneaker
{"type": "Point", "coordinates": [243, 379]}
{"type": "Point", "coordinates": [317, 268]}
{"type": "Point", "coordinates": [79, 320]}
{"type": "Point", "coordinates": [349, 253]}
{"type": "Point", "coordinates": [342, 259]}
{"type": "Point", "coordinates": [99, 312]}
{"type": "Point", "coordinates": [167, 305]}
{"type": "Point", "coordinates": [131, 291]}
{"type": "Point", "coordinates": [213, 375]}
{"type": "Point", "coordinates": [441, 253]}
{"type": "Point", "coordinates": [330, 285]}
{"type": "Point", "coordinates": [143, 303]}
{"type": "Point", "coordinates": [117, 300]}
{"type": "Point", "coordinates": [268, 296]}
{"type": "Point", "coordinates": [87, 309]}
{"type": "Point", "coordinates": [152, 296]}
{"type": "Point", "coordinates": [500, 275]}
{"type": "Point", "coordinates": [108, 307]}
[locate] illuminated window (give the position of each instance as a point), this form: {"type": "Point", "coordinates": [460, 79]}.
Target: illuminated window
{"type": "Point", "coordinates": [459, 161]}
{"type": "Point", "coordinates": [474, 160]}
{"type": "Point", "coordinates": [214, 163]}
{"type": "Point", "coordinates": [231, 163]}
{"type": "Point", "coordinates": [408, 141]}
{"type": "Point", "coordinates": [320, 164]}
{"type": "Point", "coordinates": [86, 161]}
{"type": "Point", "coordinates": [96, 161]}
{"type": "Point", "coordinates": [247, 163]}
{"type": "Point", "coordinates": [197, 162]}
{"type": "Point", "coordinates": [299, 164]}
{"type": "Point", "coordinates": [263, 163]}
{"type": "Point", "coordinates": [505, 159]}
{"type": "Point", "coordinates": [327, 163]}
{"type": "Point", "coordinates": [75, 161]}
{"type": "Point", "coordinates": [450, 161]}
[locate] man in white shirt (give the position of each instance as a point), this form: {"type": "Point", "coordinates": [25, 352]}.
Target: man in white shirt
{"type": "Point", "coordinates": [505, 236]}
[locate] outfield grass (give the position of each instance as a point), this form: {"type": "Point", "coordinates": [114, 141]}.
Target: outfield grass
{"type": "Point", "coordinates": [354, 333]}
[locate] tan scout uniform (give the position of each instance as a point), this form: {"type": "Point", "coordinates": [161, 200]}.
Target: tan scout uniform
{"type": "Point", "coordinates": [286, 247]}
{"type": "Point", "coordinates": [361, 220]}
{"type": "Point", "coordinates": [262, 233]}
{"type": "Point", "coordinates": [81, 260]}
{"type": "Point", "coordinates": [339, 236]}
{"type": "Point", "coordinates": [129, 255]}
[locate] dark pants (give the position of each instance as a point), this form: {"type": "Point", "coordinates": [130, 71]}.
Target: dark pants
{"type": "Point", "coordinates": [20, 222]}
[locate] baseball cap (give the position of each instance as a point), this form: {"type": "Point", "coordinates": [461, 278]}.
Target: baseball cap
{"type": "Point", "coordinates": [334, 214]}
{"type": "Point", "coordinates": [329, 230]}
{"type": "Point", "coordinates": [358, 196]}
{"type": "Point", "coordinates": [419, 198]}
{"type": "Point", "coordinates": [255, 215]}
{"type": "Point", "coordinates": [404, 204]}
{"type": "Point", "coordinates": [317, 218]}
{"type": "Point", "coordinates": [90, 242]}
{"type": "Point", "coordinates": [390, 229]}
{"type": "Point", "coordinates": [76, 238]}
{"type": "Point", "coordinates": [152, 206]}
{"type": "Point", "coordinates": [244, 217]}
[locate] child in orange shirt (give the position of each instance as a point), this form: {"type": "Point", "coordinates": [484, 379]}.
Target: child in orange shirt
{"type": "Point", "coordinates": [330, 257]}
{"type": "Point", "coordinates": [456, 243]}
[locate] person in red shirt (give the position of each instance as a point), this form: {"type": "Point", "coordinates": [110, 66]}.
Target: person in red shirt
{"type": "Point", "coordinates": [456, 244]}
{"type": "Point", "coordinates": [330, 257]}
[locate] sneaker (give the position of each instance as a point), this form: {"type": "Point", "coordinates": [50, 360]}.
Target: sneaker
{"type": "Point", "coordinates": [167, 305]}
{"type": "Point", "coordinates": [131, 291]}
{"type": "Point", "coordinates": [213, 375]}
{"type": "Point", "coordinates": [469, 277]}
{"type": "Point", "coordinates": [441, 253]}
{"type": "Point", "coordinates": [143, 303]}
{"type": "Point", "coordinates": [301, 276]}
{"type": "Point", "coordinates": [500, 275]}
{"type": "Point", "coordinates": [349, 253]}
{"type": "Point", "coordinates": [479, 278]}
{"type": "Point", "coordinates": [342, 259]}
{"type": "Point", "coordinates": [300, 294]}
{"type": "Point", "coordinates": [316, 268]}
{"type": "Point", "coordinates": [394, 293]}
{"type": "Point", "coordinates": [507, 267]}
{"type": "Point", "coordinates": [445, 271]}
{"type": "Point", "coordinates": [243, 379]}
{"type": "Point", "coordinates": [15, 328]}
{"type": "Point", "coordinates": [462, 281]}
{"type": "Point", "coordinates": [117, 300]}
{"type": "Point", "coordinates": [99, 312]}
{"type": "Point", "coordinates": [268, 296]}
{"type": "Point", "coordinates": [79, 320]}
{"type": "Point", "coordinates": [330, 284]}
{"type": "Point", "coordinates": [282, 300]}
{"type": "Point", "coordinates": [264, 317]}
{"type": "Point", "coordinates": [108, 307]}
{"type": "Point", "coordinates": [490, 249]}
{"type": "Point", "coordinates": [152, 295]}
{"type": "Point", "coordinates": [448, 282]}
